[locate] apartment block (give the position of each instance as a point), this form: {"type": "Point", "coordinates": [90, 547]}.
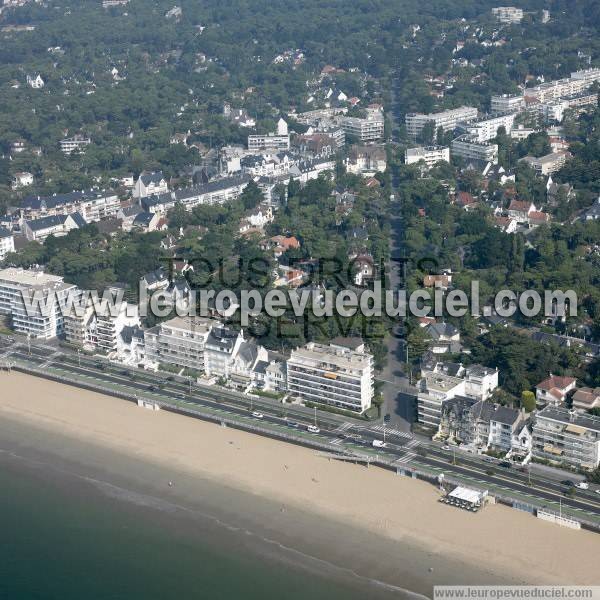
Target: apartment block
{"type": "Point", "coordinates": [7, 242]}
{"type": "Point", "coordinates": [567, 437]}
{"type": "Point", "coordinates": [507, 103]}
{"type": "Point", "coordinates": [486, 129]}
{"type": "Point", "coordinates": [92, 205]}
{"type": "Point", "coordinates": [447, 120]}
{"type": "Point", "coordinates": [33, 300]}
{"type": "Point", "coordinates": [548, 164]}
{"type": "Point", "coordinates": [339, 374]}
{"type": "Point", "coordinates": [180, 342]}
{"type": "Point", "coordinates": [508, 14]}
{"type": "Point", "coordinates": [370, 129]}
{"type": "Point", "coordinates": [430, 155]}
{"type": "Point", "coordinates": [434, 389]}
{"type": "Point", "coordinates": [471, 149]}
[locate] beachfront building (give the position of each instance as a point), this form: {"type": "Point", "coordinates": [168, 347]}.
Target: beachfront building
{"type": "Point", "coordinates": [435, 388]}
{"type": "Point", "coordinates": [32, 299]}
{"type": "Point", "coordinates": [430, 155]}
{"type": "Point", "coordinates": [180, 342]}
{"type": "Point", "coordinates": [447, 119]}
{"type": "Point", "coordinates": [567, 437]}
{"type": "Point", "coordinates": [7, 242]}
{"type": "Point", "coordinates": [110, 326]}
{"type": "Point", "coordinates": [339, 374]}
{"type": "Point", "coordinates": [222, 347]}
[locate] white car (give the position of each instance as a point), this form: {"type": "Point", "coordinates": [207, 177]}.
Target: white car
{"type": "Point", "coordinates": [313, 429]}
{"type": "Point", "coordinates": [445, 447]}
{"type": "Point", "coordinates": [257, 415]}
{"type": "Point", "coordinates": [379, 444]}
{"type": "Point", "coordinates": [583, 485]}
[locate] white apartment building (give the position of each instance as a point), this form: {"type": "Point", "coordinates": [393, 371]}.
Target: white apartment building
{"type": "Point", "coordinates": [504, 425]}
{"type": "Point", "coordinates": [429, 154]}
{"type": "Point", "coordinates": [433, 390]}
{"type": "Point", "coordinates": [470, 149]}
{"type": "Point", "coordinates": [109, 327]}
{"type": "Point", "coordinates": [447, 120]}
{"type": "Point", "coordinates": [507, 103]}
{"type": "Point", "coordinates": [75, 143]}
{"type": "Point", "coordinates": [219, 191]}
{"type": "Point", "coordinates": [222, 346]}
{"type": "Point", "coordinates": [548, 164]}
{"type": "Point", "coordinates": [279, 140]}
{"type": "Point", "coordinates": [19, 290]}
{"type": "Point", "coordinates": [508, 14]}
{"type": "Point", "coordinates": [92, 205]}
{"type": "Point", "coordinates": [480, 381]}
{"type": "Point", "coordinates": [566, 436]}
{"type": "Point", "coordinates": [577, 83]}
{"type": "Point", "coordinates": [179, 341]}
{"type": "Point", "coordinates": [487, 129]}
{"type": "Point", "coordinates": [7, 242]}
{"type": "Point", "coordinates": [370, 129]}
{"type": "Point", "coordinates": [554, 110]}
{"type": "Point", "coordinates": [339, 374]}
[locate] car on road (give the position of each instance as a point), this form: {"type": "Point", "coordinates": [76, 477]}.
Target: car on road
{"type": "Point", "coordinates": [583, 485]}
{"type": "Point", "coordinates": [568, 483]}
{"type": "Point", "coordinates": [598, 491]}
{"type": "Point", "coordinates": [292, 424]}
{"type": "Point", "coordinates": [505, 464]}
{"type": "Point", "coordinates": [379, 444]}
{"type": "Point", "coordinates": [152, 388]}
{"type": "Point", "coordinates": [313, 429]}
{"type": "Point", "coordinates": [445, 447]}
{"type": "Point", "coordinates": [257, 415]}
{"type": "Point", "coordinates": [342, 436]}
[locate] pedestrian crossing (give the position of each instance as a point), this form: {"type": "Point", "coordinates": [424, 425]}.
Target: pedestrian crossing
{"type": "Point", "coordinates": [343, 427]}
{"type": "Point", "coordinates": [391, 431]}
{"type": "Point", "coordinates": [406, 458]}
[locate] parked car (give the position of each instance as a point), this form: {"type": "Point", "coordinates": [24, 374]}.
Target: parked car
{"type": "Point", "coordinates": [257, 415]}
{"type": "Point", "coordinates": [313, 429]}
{"type": "Point", "coordinates": [583, 485]}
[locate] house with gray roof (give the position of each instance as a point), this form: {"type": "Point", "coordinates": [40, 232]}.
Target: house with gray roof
{"type": "Point", "coordinates": [149, 183]}
{"type": "Point", "coordinates": [38, 230]}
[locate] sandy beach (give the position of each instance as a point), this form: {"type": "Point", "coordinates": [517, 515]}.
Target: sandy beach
{"type": "Point", "coordinates": [372, 521]}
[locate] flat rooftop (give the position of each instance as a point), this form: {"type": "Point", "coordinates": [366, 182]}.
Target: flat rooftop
{"type": "Point", "coordinates": [30, 278]}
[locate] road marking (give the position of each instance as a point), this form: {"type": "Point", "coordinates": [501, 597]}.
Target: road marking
{"type": "Point", "coordinates": [343, 427]}
{"type": "Point", "coordinates": [391, 431]}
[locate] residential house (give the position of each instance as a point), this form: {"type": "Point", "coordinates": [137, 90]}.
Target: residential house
{"type": "Point", "coordinates": [435, 388]}
{"type": "Point", "coordinates": [553, 390]}
{"type": "Point", "coordinates": [147, 221]}
{"type": "Point", "coordinates": [504, 425]}
{"type": "Point", "coordinates": [366, 160]}
{"type": "Point", "coordinates": [150, 183]}
{"type": "Point", "coordinates": [57, 225]}
{"type": "Point", "coordinates": [586, 398]}
{"type": "Point", "coordinates": [445, 338]}
{"type": "Point", "coordinates": [21, 179]}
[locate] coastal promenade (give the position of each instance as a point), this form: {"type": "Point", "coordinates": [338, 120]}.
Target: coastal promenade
{"type": "Point", "coordinates": [338, 437]}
